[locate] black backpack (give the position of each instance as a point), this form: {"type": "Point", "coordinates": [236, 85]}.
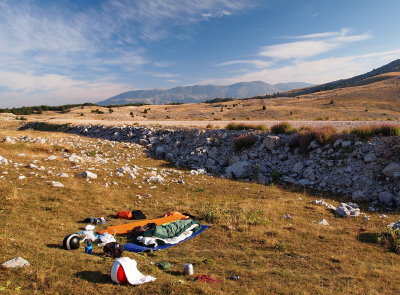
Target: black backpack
{"type": "Point", "coordinates": [113, 250]}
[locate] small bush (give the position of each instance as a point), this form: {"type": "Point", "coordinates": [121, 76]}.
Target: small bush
{"type": "Point", "coordinates": [97, 111]}
{"type": "Point", "coordinates": [235, 126]}
{"type": "Point", "coordinates": [306, 135]}
{"type": "Point", "coordinates": [391, 239]}
{"type": "Point", "coordinates": [244, 141]}
{"type": "Point", "coordinates": [283, 128]}
{"type": "Point", "coordinates": [366, 132]}
{"type": "Point", "coordinates": [209, 126]}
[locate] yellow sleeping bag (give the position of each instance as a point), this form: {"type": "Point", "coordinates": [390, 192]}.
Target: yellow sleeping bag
{"type": "Point", "coordinates": [126, 228]}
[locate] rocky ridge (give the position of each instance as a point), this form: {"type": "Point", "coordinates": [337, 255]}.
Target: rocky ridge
{"type": "Point", "coordinates": [365, 171]}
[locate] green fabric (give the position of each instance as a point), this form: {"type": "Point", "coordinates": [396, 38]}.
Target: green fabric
{"type": "Point", "coordinates": [171, 230]}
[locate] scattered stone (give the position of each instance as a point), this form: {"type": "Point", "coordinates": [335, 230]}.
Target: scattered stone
{"type": "Point", "coordinates": [323, 222]}
{"type": "Point", "coordinates": [21, 177]}
{"type": "Point", "coordinates": [56, 184]}
{"type": "Point", "coordinates": [65, 175]}
{"type": "Point", "coordinates": [3, 161]}
{"type": "Point", "coordinates": [394, 225]}
{"type": "Point", "coordinates": [87, 174]}
{"type": "Point", "coordinates": [51, 158]}
{"type": "Point", "coordinates": [17, 262]}
{"type": "Point", "coordinates": [157, 179]}
{"type": "Point", "coordinates": [287, 216]}
{"type": "Point", "coordinates": [347, 210]}
{"type": "Point", "coordinates": [322, 202]}
{"type": "Point", "coordinates": [197, 172]}
{"type": "Point", "coordinates": [8, 139]}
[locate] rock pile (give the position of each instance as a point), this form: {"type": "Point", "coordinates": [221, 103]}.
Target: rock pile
{"type": "Point", "coordinates": [363, 171]}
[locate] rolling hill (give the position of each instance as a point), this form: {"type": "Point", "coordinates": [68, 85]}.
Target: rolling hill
{"type": "Point", "coordinates": [200, 93]}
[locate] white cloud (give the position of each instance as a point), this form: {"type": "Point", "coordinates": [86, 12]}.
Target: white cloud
{"type": "Point", "coordinates": [255, 62]}
{"type": "Point", "coordinates": [316, 71]}
{"type": "Point", "coordinates": [304, 49]}
{"type": "Point", "coordinates": [53, 89]}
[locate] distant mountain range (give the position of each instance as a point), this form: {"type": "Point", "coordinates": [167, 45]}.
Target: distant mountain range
{"type": "Point", "coordinates": [200, 93]}
{"type": "Point", "coordinates": [359, 80]}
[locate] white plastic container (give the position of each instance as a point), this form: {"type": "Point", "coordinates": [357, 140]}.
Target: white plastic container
{"type": "Point", "coordinates": [188, 269]}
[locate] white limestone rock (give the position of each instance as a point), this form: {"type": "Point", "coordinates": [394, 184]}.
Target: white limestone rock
{"type": "Point", "coordinates": [16, 262]}
{"type": "Point", "coordinates": [347, 210]}
{"type": "Point", "coordinates": [56, 184]}
{"type": "Point", "coordinates": [3, 161]}
{"type": "Point", "coordinates": [87, 174]}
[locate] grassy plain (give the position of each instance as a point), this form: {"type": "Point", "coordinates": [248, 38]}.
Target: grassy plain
{"type": "Point", "coordinates": [249, 236]}
{"type": "Point", "coordinates": [378, 99]}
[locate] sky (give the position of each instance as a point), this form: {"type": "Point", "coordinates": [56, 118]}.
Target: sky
{"type": "Point", "coordinates": [71, 51]}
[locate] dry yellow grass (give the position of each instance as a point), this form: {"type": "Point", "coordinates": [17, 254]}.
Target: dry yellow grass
{"type": "Point", "coordinates": [378, 100]}
{"type": "Point", "coordinates": [249, 236]}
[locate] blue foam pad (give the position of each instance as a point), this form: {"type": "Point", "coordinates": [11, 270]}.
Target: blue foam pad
{"type": "Point", "coordinates": [137, 248]}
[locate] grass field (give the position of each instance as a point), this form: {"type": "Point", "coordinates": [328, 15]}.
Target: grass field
{"type": "Point", "coordinates": [378, 100]}
{"type": "Point", "coordinates": [248, 237]}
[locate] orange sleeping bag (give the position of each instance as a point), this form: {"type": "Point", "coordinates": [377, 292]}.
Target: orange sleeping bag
{"type": "Point", "coordinates": [126, 228]}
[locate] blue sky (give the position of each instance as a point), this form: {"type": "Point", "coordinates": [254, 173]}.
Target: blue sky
{"type": "Point", "coordinates": [58, 52]}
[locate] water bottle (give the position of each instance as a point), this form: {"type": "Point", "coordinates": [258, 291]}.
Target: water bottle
{"type": "Point", "coordinates": [88, 248]}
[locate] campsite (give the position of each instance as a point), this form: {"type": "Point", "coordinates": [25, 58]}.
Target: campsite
{"type": "Point", "coordinates": [270, 237]}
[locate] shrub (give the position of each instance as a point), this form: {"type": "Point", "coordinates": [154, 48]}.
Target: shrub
{"type": "Point", "coordinates": [306, 135]}
{"type": "Point", "coordinates": [110, 110]}
{"type": "Point", "coordinates": [366, 132]}
{"type": "Point", "coordinates": [244, 141]}
{"type": "Point", "coordinates": [283, 128]}
{"type": "Point", "coordinates": [235, 126]}
{"type": "Point", "coordinates": [391, 239]}
{"type": "Point", "coordinates": [209, 126]}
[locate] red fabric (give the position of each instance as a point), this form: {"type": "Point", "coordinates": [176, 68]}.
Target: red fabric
{"type": "Point", "coordinates": [206, 279]}
{"type": "Point", "coordinates": [124, 214]}
{"type": "Point", "coordinates": [121, 275]}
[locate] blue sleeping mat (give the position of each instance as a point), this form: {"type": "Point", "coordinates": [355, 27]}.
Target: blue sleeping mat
{"type": "Point", "coordinates": [137, 248]}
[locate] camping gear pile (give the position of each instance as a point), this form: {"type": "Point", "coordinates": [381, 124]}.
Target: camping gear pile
{"type": "Point", "coordinates": [145, 235]}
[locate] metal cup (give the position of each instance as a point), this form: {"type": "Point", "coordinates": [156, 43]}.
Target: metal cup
{"type": "Point", "coordinates": [188, 269]}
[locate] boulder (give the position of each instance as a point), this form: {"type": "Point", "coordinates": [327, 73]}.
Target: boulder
{"type": "Point", "coordinates": [160, 151]}
{"type": "Point", "coordinates": [386, 198]}
{"type": "Point", "coordinates": [309, 174]}
{"type": "Point", "coordinates": [391, 168]}
{"type": "Point", "coordinates": [370, 157]}
{"type": "Point", "coordinates": [359, 196]}
{"type": "Point", "coordinates": [347, 210]}
{"type": "Point", "coordinates": [239, 170]}
{"type": "Point", "coordinates": [210, 162]}
{"type": "Point", "coordinates": [271, 142]}
{"type": "Point", "coordinates": [298, 167]}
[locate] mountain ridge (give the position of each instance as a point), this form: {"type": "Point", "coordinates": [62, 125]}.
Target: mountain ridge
{"type": "Point", "coordinates": [200, 93]}
{"type": "Point", "coordinates": [358, 80]}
